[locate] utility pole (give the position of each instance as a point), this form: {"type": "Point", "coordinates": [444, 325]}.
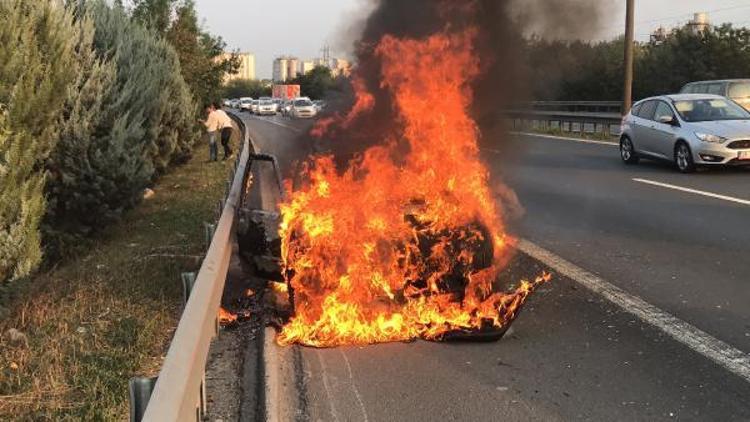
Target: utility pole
{"type": "Point", "coordinates": [627, 101]}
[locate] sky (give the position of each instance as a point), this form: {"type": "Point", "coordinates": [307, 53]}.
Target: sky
{"type": "Point", "coordinates": [269, 28]}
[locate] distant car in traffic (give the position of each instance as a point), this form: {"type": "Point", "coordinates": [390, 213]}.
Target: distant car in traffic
{"type": "Point", "coordinates": [234, 103]}
{"type": "Point", "coordinates": [266, 107]}
{"type": "Point", "coordinates": [285, 107]}
{"type": "Point", "coordinates": [737, 90]}
{"type": "Point", "coordinates": [246, 103]}
{"type": "Point", "coordinates": [303, 108]}
{"type": "Point", "coordinates": [320, 105]}
{"type": "Point", "coordinates": [687, 129]}
{"type": "Point", "coordinates": [254, 106]}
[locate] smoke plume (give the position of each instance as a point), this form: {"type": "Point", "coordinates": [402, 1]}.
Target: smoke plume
{"type": "Point", "coordinates": [501, 26]}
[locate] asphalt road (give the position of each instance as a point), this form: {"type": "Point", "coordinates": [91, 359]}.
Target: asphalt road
{"type": "Point", "coordinates": [572, 355]}
{"type": "Point", "coordinates": [683, 252]}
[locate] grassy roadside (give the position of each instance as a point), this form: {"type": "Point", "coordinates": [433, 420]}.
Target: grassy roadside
{"type": "Point", "coordinates": [93, 322]}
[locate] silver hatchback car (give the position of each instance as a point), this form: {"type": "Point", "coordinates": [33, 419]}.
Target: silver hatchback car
{"type": "Point", "coordinates": [687, 129]}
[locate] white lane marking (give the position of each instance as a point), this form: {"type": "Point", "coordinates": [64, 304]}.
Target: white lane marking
{"type": "Point", "coordinates": [327, 387]}
{"type": "Point", "coordinates": [354, 386]}
{"type": "Point", "coordinates": [694, 191]}
{"type": "Point", "coordinates": [284, 125]}
{"type": "Point", "coordinates": [565, 138]}
{"type": "Point", "coordinates": [731, 358]}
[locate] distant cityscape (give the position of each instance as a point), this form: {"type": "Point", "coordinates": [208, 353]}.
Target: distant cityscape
{"type": "Point", "coordinates": [699, 24]}
{"type": "Point", "coordinates": [288, 67]}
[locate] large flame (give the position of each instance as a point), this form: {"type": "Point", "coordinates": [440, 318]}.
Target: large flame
{"type": "Point", "coordinates": [401, 245]}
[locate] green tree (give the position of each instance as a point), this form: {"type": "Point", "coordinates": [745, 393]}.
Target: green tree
{"type": "Point", "coordinates": [238, 88]}
{"type": "Point", "coordinates": [36, 69]}
{"type": "Point", "coordinates": [315, 83]}
{"type": "Point", "coordinates": [202, 59]}
{"type": "Point", "coordinates": [594, 71]}
{"type": "Point", "coordinates": [129, 116]}
{"type": "Point", "coordinates": [156, 15]}
{"type": "Point", "coordinates": [720, 53]}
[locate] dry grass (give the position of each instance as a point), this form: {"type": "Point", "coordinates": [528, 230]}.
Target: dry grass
{"type": "Point", "coordinates": [94, 322]}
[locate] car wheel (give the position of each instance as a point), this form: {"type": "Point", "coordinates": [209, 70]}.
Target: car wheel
{"type": "Point", "coordinates": [683, 158]}
{"type": "Point", "coordinates": [627, 151]}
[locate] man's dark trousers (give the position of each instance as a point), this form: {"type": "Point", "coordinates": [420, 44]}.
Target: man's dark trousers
{"type": "Point", "coordinates": [226, 136]}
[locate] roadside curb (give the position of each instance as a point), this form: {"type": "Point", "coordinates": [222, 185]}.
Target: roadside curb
{"type": "Point", "coordinates": [280, 390]}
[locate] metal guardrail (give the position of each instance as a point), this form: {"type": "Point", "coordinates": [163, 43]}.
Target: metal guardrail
{"type": "Point", "coordinates": [179, 392]}
{"type": "Point", "coordinates": [569, 116]}
{"type": "Point", "coordinates": [574, 106]}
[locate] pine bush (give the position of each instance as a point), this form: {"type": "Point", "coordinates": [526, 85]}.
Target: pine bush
{"type": "Point", "coordinates": [128, 117]}
{"type": "Point", "coordinates": [36, 67]}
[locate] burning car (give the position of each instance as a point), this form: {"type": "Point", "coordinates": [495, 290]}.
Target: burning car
{"type": "Point", "coordinates": [406, 241]}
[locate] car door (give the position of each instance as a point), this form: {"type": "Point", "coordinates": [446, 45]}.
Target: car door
{"type": "Point", "coordinates": [642, 127]}
{"type": "Point", "coordinates": [663, 134]}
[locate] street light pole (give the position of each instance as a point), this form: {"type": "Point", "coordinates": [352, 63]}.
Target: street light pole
{"type": "Point", "coordinates": [627, 101]}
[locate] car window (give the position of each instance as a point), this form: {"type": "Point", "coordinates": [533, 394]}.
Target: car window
{"type": "Point", "coordinates": [636, 109]}
{"type": "Point", "coordinates": [715, 89]}
{"type": "Point", "coordinates": [710, 110]}
{"type": "Point", "coordinates": [688, 89]}
{"type": "Point", "coordinates": [647, 110]}
{"type": "Point", "coordinates": [302, 103]}
{"type": "Point", "coordinates": [662, 109]}
{"type": "Point", "coordinates": [739, 90]}
{"type": "Point", "coordinates": [701, 89]}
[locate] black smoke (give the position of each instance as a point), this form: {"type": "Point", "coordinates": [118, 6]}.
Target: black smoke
{"type": "Point", "coordinates": [502, 26]}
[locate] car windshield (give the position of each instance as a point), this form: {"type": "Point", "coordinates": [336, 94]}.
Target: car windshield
{"type": "Point", "coordinates": [264, 103]}
{"type": "Point", "coordinates": [710, 110]}
{"type": "Point", "coordinates": [302, 103]}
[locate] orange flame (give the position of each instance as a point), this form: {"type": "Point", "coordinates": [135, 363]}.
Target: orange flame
{"type": "Point", "coordinates": [364, 102]}
{"type": "Point", "coordinates": [226, 317]}
{"type": "Point", "coordinates": [393, 247]}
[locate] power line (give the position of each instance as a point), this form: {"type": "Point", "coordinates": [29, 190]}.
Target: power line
{"type": "Point", "coordinates": [684, 15]}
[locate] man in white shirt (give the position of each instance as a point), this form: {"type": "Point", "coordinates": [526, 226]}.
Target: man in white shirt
{"type": "Point", "coordinates": [212, 127]}
{"type": "Point", "coordinates": [224, 125]}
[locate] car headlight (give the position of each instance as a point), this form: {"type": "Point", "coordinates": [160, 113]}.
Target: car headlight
{"type": "Point", "coordinates": [714, 139]}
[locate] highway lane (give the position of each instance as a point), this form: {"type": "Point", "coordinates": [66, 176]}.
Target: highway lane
{"type": "Point", "coordinates": [572, 354]}
{"type": "Point", "coordinates": [683, 252]}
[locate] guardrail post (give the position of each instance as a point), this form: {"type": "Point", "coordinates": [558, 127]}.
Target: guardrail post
{"type": "Point", "coordinates": [140, 389]}
{"type": "Point", "coordinates": [219, 208]}
{"type": "Point", "coordinates": [202, 403]}
{"type": "Point", "coordinates": [188, 281]}
{"type": "Point", "coordinates": [210, 229]}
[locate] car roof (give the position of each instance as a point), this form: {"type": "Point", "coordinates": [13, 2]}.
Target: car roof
{"type": "Point", "coordinates": [717, 81]}
{"type": "Point", "coordinates": [683, 97]}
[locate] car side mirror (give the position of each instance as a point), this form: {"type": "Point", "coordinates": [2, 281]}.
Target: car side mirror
{"type": "Point", "coordinates": [667, 120]}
